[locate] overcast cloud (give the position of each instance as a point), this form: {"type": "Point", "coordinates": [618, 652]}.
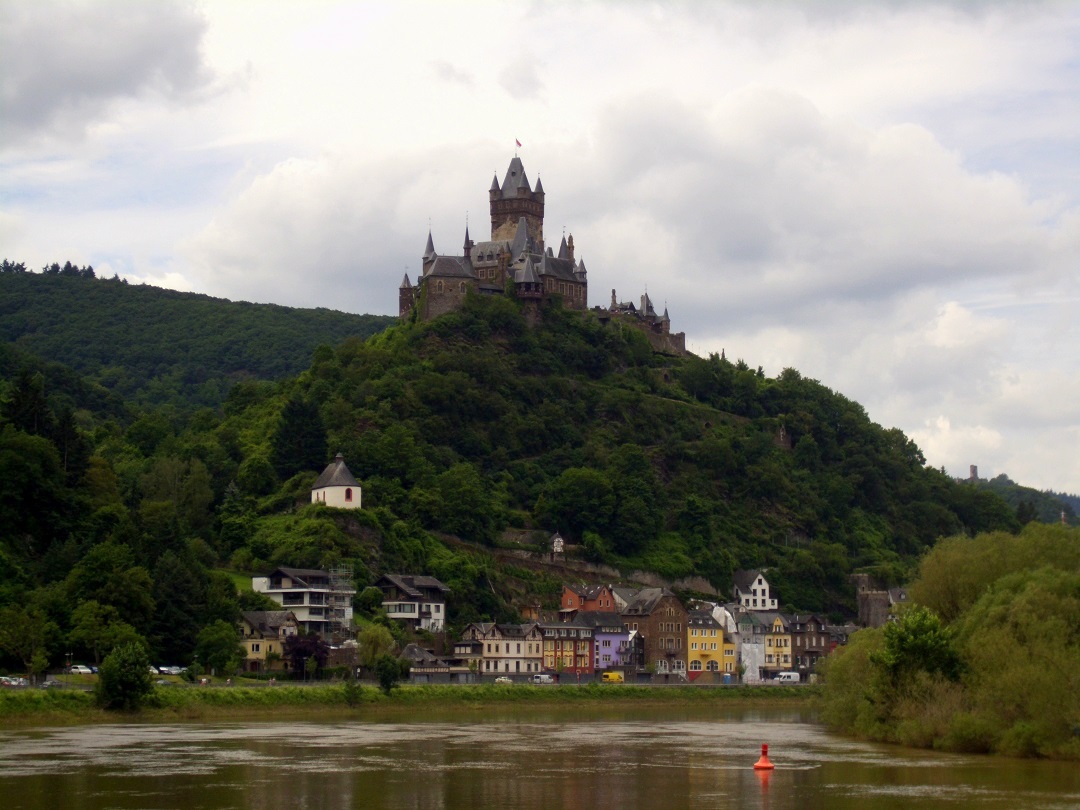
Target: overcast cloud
{"type": "Point", "coordinates": [881, 195]}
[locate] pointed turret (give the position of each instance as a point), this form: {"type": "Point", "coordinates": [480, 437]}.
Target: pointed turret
{"type": "Point", "coordinates": [582, 274]}
{"type": "Point", "coordinates": [429, 249]}
{"type": "Point", "coordinates": [521, 239]}
{"type": "Point", "coordinates": [563, 250]}
{"type": "Point", "coordinates": [468, 246]}
{"type": "Point", "coordinates": [539, 190]}
{"type": "Point", "coordinates": [406, 284]}
{"type": "Point", "coordinates": [570, 247]}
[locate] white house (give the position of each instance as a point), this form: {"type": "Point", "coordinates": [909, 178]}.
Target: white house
{"type": "Point", "coordinates": [320, 600]}
{"type": "Point", "coordinates": [752, 591]}
{"type": "Point", "coordinates": [336, 486]}
{"type": "Point", "coordinates": [418, 601]}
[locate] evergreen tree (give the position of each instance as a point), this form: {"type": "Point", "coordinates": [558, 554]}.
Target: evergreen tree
{"type": "Point", "coordinates": [299, 444]}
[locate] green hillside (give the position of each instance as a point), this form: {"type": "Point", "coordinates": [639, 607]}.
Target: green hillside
{"type": "Point", "coordinates": [155, 346]}
{"type": "Point", "coordinates": [473, 436]}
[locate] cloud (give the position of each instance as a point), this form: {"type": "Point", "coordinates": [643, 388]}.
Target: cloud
{"type": "Point", "coordinates": [521, 78]}
{"type": "Point", "coordinates": [448, 73]}
{"type": "Point", "coordinates": [64, 63]}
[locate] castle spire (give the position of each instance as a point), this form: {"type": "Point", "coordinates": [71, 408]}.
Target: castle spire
{"type": "Point", "coordinates": [429, 249]}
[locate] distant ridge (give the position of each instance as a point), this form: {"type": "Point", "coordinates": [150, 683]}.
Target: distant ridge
{"type": "Point", "coordinates": [157, 346]}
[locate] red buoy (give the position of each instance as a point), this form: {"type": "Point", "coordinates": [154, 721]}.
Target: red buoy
{"type": "Point", "coordinates": [763, 763]}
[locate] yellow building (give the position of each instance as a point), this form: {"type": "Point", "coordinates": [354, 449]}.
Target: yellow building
{"type": "Point", "coordinates": [263, 634]}
{"type": "Point", "coordinates": [705, 646]}
{"type": "Point", "coordinates": [777, 647]}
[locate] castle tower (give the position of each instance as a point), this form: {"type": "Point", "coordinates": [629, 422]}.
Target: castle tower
{"type": "Point", "coordinates": [515, 199]}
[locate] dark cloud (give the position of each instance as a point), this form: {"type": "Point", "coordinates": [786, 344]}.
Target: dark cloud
{"type": "Point", "coordinates": [64, 63]}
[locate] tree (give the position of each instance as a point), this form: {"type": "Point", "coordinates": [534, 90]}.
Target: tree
{"type": "Point", "coordinates": [25, 634]}
{"type": "Point", "coordinates": [918, 642]}
{"type": "Point", "coordinates": [301, 648]}
{"type": "Point", "coordinates": [390, 670]}
{"type": "Point", "coordinates": [218, 647]}
{"type": "Point", "coordinates": [98, 629]}
{"type": "Point", "coordinates": [373, 642]}
{"type": "Point", "coordinates": [299, 443]}
{"type": "Point", "coordinates": [124, 678]}
{"type": "Point", "coordinates": [579, 500]}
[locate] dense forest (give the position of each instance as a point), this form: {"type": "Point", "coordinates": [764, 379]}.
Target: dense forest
{"type": "Point", "coordinates": [121, 517]}
{"type": "Point", "coordinates": [155, 347]}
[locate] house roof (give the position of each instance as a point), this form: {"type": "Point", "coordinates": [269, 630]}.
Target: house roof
{"type": "Point", "coordinates": [414, 585]}
{"type": "Point", "coordinates": [336, 474]}
{"type": "Point", "coordinates": [646, 601]}
{"type": "Point", "coordinates": [268, 622]}
{"type": "Point", "coordinates": [701, 618]}
{"type": "Point", "coordinates": [744, 580]}
{"type": "Point", "coordinates": [587, 591]}
{"type": "Point", "coordinates": [600, 620]}
{"type": "Point", "coordinates": [421, 657]}
{"type": "Point", "coordinates": [301, 573]}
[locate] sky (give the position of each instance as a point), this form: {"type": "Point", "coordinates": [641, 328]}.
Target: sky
{"type": "Point", "coordinates": [882, 195]}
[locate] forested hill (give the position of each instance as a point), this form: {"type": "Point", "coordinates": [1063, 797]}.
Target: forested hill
{"type": "Point", "coordinates": [155, 346]}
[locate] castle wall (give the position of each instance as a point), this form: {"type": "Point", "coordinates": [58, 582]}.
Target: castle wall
{"type": "Point", "coordinates": [450, 298]}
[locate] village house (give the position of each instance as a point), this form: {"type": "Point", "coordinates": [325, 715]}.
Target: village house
{"type": "Point", "coordinates": [611, 639]}
{"type": "Point", "coordinates": [568, 648]}
{"type": "Point", "coordinates": [263, 634]}
{"type": "Point", "coordinates": [321, 600]}
{"type": "Point", "coordinates": [777, 645]}
{"type": "Point", "coordinates": [810, 641]}
{"type": "Point", "coordinates": [752, 591]}
{"type": "Point", "coordinates": [507, 649]}
{"type": "Point", "coordinates": [708, 650]}
{"type": "Point", "coordinates": [416, 601]}
{"type": "Point", "coordinates": [660, 618]}
{"type": "Point", "coordinates": [577, 598]}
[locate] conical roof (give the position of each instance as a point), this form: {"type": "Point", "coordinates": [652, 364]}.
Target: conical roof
{"type": "Point", "coordinates": [336, 474]}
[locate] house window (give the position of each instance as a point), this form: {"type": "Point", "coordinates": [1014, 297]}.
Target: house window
{"type": "Point", "coordinates": [348, 494]}
{"type": "Point", "coordinates": [693, 645]}
{"type": "Point", "coordinates": [255, 648]}
{"type": "Point", "coordinates": [695, 666]}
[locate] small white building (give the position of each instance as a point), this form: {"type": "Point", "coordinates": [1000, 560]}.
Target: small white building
{"type": "Point", "coordinates": [336, 486]}
{"type": "Point", "coordinates": [752, 591]}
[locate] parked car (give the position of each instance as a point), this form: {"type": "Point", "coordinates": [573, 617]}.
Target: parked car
{"type": "Point", "coordinates": [611, 677]}
{"type": "Point", "coordinates": [542, 678]}
{"type": "Point", "coordinates": [787, 677]}
{"type": "Point", "coordinates": [504, 679]}
{"type": "Point", "coordinates": [51, 683]}
{"type": "Point", "coordinates": [81, 669]}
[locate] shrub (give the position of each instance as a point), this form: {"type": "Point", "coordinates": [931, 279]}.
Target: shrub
{"type": "Point", "coordinates": [124, 678]}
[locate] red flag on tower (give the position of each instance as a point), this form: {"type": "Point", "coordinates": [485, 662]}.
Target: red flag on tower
{"type": "Point", "coordinates": [517, 141]}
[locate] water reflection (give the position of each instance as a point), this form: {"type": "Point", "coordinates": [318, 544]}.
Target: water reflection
{"type": "Point", "coordinates": [651, 758]}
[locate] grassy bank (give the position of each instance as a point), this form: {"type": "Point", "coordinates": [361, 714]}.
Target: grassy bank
{"type": "Point", "coordinates": [235, 702]}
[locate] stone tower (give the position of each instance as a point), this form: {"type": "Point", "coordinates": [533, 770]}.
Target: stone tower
{"type": "Point", "coordinates": [516, 199]}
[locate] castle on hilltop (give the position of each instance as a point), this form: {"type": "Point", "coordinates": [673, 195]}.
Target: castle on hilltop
{"type": "Point", "coordinates": [515, 261]}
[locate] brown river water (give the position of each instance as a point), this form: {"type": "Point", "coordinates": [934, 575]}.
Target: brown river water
{"type": "Point", "coordinates": [521, 758]}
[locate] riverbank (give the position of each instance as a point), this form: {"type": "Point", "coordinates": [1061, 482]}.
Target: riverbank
{"type": "Point", "coordinates": [45, 707]}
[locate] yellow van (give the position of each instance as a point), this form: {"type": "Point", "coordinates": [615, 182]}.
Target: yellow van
{"type": "Point", "coordinates": [611, 677]}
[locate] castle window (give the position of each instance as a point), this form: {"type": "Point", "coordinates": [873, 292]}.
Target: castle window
{"type": "Point", "coordinates": [348, 495]}
{"type": "Point", "coordinates": [462, 287]}
{"type": "Point", "coordinates": [439, 285]}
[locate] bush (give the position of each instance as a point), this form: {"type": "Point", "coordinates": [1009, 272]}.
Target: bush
{"type": "Point", "coordinates": [124, 678]}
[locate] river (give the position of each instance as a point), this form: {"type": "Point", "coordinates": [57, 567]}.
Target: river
{"type": "Point", "coordinates": [522, 758]}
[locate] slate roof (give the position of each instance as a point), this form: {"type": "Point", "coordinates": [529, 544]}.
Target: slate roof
{"type": "Point", "coordinates": [453, 266]}
{"type": "Point", "coordinates": [268, 622]}
{"type": "Point", "coordinates": [701, 618]}
{"type": "Point", "coordinates": [744, 580]}
{"type": "Point", "coordinates": [646, 601]}
{"type": "Point", "coordinates": [406, 284]}
{"type": "Point", "coordinates": [336, 474]}
{"type": "Point", "coordinates": [414, 586]}
{"type": "Point", "coordinates": [587, 591]}
{"type": "Point", "coordinates": [600, 620]}
{"type": "Point", "coordinates": [421, 657]}
{"type": "Point", "coordinates": [515, 178]}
